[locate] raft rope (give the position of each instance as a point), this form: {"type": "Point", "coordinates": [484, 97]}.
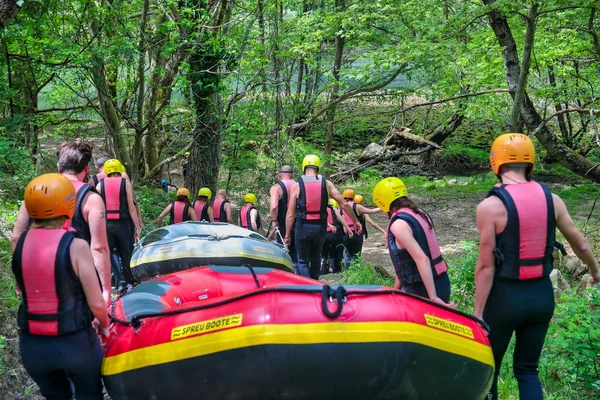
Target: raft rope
{"type": "Point", "coordinates": [340, 294]}
{"type": "Point", "coordinates": [253, 275]}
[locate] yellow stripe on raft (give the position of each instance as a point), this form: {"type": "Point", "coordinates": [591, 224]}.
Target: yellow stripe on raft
{"type": "Point", "coordinates": [328, 332]}
{"type": "Point", "coordinates": [136, 262]}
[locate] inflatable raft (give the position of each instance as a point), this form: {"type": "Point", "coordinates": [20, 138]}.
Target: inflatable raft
{"type": "Point", "coordinates": [258, 333]}
{"type": "Point", "coordinates": [190, 244]}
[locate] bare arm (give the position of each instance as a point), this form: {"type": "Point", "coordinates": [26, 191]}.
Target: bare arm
{"type": "Point", "coordinates": [94, 213]}
{"type": "Point", "coordinates": [132, 208]}
{"type": "Point", "coordinates": [163, 214]}
{"type": "Point", "coordinates": [335, 194]}
{"type": "Point", "coordinates": [485, 268]}
{"type": "Point", "coordinates": [228, 213]}
{"type": "Point", "coordinates": [192, 214]}
{"type": "Point", "coordinates": [374, 224]}
{"type": "Point", "coordinates": [210, 212]}
{"type": "Point", "coordinates": [291, 214]}
{"type": "Point", "coordinates": [275, 196]}
{"type": "Point", "coordinates": [81, 258]}
{"type": "Point", "coordinates": [342, 220]}
{"type": "Point", "coordinates": [578, 243]}
{"type": "Point", "coordinates": [362, 210]}
{"type": "Point", "coordinates": [404, 236]}
{"type": "Point", "coordinates": [21, 225]}
{"type": "Point", "coordinates": [253, 215]}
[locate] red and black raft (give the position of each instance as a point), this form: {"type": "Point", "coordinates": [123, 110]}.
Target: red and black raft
{"type": "Point", "coordinates": [259, 333]}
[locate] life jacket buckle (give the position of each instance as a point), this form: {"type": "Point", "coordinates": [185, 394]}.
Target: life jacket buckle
{"type": "Point", "coordinates": [498, 255]}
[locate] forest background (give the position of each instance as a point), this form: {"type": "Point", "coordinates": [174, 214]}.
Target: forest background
{"type": "Point", "coordinates": [247, 85]}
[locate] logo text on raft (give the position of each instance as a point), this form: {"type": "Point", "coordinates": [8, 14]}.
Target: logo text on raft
{"type": "Point", "coordinates": [206, 326]}
{"type": "Point", "coordinates": [449, 326]}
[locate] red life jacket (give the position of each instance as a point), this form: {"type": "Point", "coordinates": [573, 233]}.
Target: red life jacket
{"type": "Point", "coordinates": [201, 210]}
{"type": "Point", "coordinates": [78, 221]}
{"type": "Point", "coordinates": [524, 248]}
{"type": "Point", "coordinates": [349, 220]}
{"type": "Point", "coordinates": [219, 210]}
{"type": "Point", "coordinates": [312, 201]}
{"type": "Point", "coordinates": [331, 218]}
{"type": "Point", "coordinates": [405, 266]}
{"type": "Point", "coordinates": [284, 200]}
{"type": "Point", "coordinates": [180, 212]}
{"type": "Point", "coordinates": [245, 219]}
{"type": "Point", "coordinates": [98, 177]}
{"type": "Point", "coordinates": [53, 302]}
{"type": "Point", "coordinates": [114, 193]}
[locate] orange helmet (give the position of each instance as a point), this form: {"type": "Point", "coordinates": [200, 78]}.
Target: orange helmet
{"type": "Point", "coordinates": [358, 199]}
{"type": "Point", "coordinates": [183, 192]}
{"type": "Point", "coordinates": [50, 196]}
{"type": "Point", "coordinates": [512, 148]}
{"type": "Point", "coordinates": [348, 194]}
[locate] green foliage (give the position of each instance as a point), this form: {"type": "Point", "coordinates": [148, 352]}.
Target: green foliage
{"type": "Point", "coordinates": [461, 270]}
{"type": "Point", "coordinates": [16, 169]}
{"type": "Point", "coordinates": [370, 176]}
{"type": "Point", "coordinates": [8, 298]}
{"type": "Point", "coordinates": [361, 272]}
{"type": "Point", "coordinates": [459, 158]}
{"type": "Point", "coordinates": [152, 202]}
{"type": "Point", "coordinates": [2, 347]}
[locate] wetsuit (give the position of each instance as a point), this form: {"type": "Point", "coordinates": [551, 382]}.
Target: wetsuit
{"type": "Point", "coordinates": [405, 266]}
{"type": "Point", "coordinates": [311, 224]}
{"type": "Point", "coordinates": [331, 248]}
{"type": "Point", "coordinates": [352, 245]}
{"type": "Point", "coordinates": [282, 209]}
{"type": "Point", "coordinates": [119, 226]}
{"type": "Point", "coordinates": [57, 343]}
{"type": "Point", "coordinates": [522, 299]}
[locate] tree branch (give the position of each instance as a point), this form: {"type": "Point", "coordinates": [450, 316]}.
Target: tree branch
{"type": "Point", "coordinates": [169, 159]}
{"type": "Point", "coordinates": [460, 96]}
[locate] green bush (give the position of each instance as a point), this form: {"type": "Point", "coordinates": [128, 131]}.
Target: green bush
{"type": "Point", "coordinates": [461, 270]}
{"type": "Point", "coordinates": [16, 170]}
{"type": "Point", "coordinates": [370, 176]}
{"type": "Point", "coordinates": [361, 272]}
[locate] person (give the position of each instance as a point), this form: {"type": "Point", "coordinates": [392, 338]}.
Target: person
{"type": "Point", "coordinates": [89, 218]}
{"type": "Point", "coordinates": [122, 222]}
{"type": "Point", "coordinates": [99, 161]}
{"type": "Point", "coordinates": [202, 207]}
{"type": "Point", "coordinates": [222, 208]}
{"type": "Point", "coordinates": [364, 218]}
{"type": "Point", "coordinates": [280, 201]}
{"type": "Point", "coordinates": [308, 200]}
{"type": "Point", "coordinates": [412, 241]}
{"type": "Point", "coordinates": [353, 244]}
{"type": "Point", "coordinates": [61, 294]}
{"type": "Point", "coordinates": [184, 163]}
{"type": "Point", "coordinates": [337, 227]}
{"type": "Point", "coordinates": [180, 210]}
{"type": "Point", "coordinates": [249, 216]}
{"type": "Point", "coordinates": [164, 185]}
{"type": "Point", "coordinates": [517, 227]}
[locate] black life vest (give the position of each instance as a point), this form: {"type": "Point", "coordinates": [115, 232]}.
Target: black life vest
{"type": "Point", "coordinates": [361, 219]}
{"type": "Point", "coordinates": [180, 212]}
{"type": "Point", "coordinates": [284, 200]}
{"type": "Point", "coordinates": [78, 221]}
{"type": "Point", "coordinates": [524, 249]}
{"type": "Point", "coordinates": [98, 177]}
{"type": "Point", "coordinates": [54, 302]}
{"type": "Point", "coordinates": [114, 193]}
{"type": "Point", "coordinates": [405, 266]}
{"type": "Point", "coordinates": [312, 200]}
{"type": "Point", "coordinates": [201, 210]}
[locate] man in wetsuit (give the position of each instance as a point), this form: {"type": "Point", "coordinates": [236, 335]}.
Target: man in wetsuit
{"type": "Point", "coordinates": [280, 200]}
{"type": "Point", "coordinates": [517, 226]}
{"type": "Point", "coordinates": [308, 201]}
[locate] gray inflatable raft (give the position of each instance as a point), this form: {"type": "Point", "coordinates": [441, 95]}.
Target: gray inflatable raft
{"type": "Point", "coordinates": [191, 244]}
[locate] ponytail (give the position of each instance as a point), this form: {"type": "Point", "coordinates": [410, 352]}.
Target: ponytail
{"type": "Point", "coordinates": [405, 202]}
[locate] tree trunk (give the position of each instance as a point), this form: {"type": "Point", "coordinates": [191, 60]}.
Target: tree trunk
{"type": "Point", "coordinates": [567, 157]}
{"type": "Point", "coordinates": [333, 94]}
{"type": "Point", "coordinates": [524, 73]}
{"type": "Point", "coordinates": [8, 10]}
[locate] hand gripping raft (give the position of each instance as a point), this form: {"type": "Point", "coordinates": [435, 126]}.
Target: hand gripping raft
{"type": "Point", "coordinates": [259, 333]}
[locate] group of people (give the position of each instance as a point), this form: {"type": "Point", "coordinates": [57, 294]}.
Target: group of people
{"type": "Point", "coordinates": [65, 228]}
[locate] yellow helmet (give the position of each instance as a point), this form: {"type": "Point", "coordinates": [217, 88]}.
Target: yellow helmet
{"type": "Point", "coordinates": [187, 154]}
{"type": "Point", "coordinates": [348, 194]}
{"type": "Point", "coordinates": [388, 190]}
{"type": "Point", "coordinates": [250, 198]}
{"type": "Point", "coordinates": [50, 196]}
{"type": "Point", "coordinates": [183, 192]}
{"type": "Point", "coordinates": [512, 148]}
{"type": "Point", "coordinates": [204, 192]}
{"type": "Point", "coordinates": [358, 199]}
{"type": "Point", "coordinates": [311, 160]}
{"type": "Point", "coordinates": [113, 165]}
{"type": "Point", "coordinates": [334, 203]}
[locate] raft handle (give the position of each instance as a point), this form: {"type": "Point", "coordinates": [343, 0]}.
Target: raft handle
{"type": "Point", "coordinates": [340, 297]}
